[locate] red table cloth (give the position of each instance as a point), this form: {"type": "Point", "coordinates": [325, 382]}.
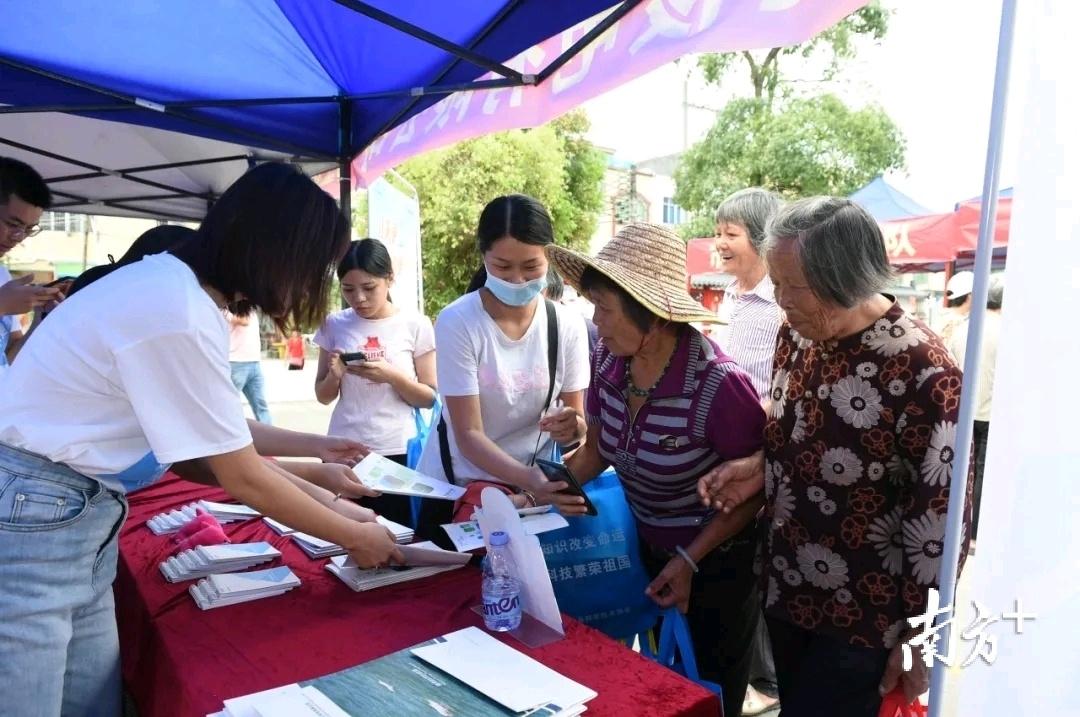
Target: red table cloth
{"type": "Point", "coordinates": [179, 661]}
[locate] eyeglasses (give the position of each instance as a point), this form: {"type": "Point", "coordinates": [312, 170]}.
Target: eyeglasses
{"type": "Point", "coordinates": [18, 229]}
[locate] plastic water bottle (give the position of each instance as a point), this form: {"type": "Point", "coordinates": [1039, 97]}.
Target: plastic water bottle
{"type": "Point", "coordinates": [501, 589]}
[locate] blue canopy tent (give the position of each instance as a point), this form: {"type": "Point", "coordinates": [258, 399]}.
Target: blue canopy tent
{"type": "Point", "coordinates": [212, 87]}
{"type": "Point", "coordinates": [885, 202]}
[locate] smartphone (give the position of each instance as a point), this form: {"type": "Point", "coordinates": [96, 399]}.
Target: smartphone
{"type": "Point", "coordinates": [61, 280]}
{"type": "Point", "coordinates": [559, 472]}
{"type": "Point", "coordinates": [354, 357]}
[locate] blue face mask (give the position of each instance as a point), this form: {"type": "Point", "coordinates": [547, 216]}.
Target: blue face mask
{"type": "Point", "coordinates": [515, 294]}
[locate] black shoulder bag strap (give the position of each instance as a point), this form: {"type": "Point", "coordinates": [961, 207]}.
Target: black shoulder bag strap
{"type": "Point", "coordinates": [553, 359]}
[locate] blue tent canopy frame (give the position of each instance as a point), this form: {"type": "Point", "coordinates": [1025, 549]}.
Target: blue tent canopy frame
{"type": "Point", "coordinates": [315, 81]}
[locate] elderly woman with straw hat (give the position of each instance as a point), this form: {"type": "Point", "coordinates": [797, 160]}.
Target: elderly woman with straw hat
{"type": "Point", "coordinates": [856, 468]}
{"type": "Point", "coordinates": [665, 406]}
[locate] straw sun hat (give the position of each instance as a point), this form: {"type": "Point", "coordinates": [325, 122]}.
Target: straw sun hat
{"type": "Point", "coordinates": [649, 262]}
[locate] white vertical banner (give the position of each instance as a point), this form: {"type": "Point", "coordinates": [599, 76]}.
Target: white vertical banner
{"type": "Point", "coordinates": [394, 219]}
{"type": "Point", "coordinates": [1028, 553]}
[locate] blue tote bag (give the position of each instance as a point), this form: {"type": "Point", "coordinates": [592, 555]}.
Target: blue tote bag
{"type": "Point", "coordinates": [595, 566]}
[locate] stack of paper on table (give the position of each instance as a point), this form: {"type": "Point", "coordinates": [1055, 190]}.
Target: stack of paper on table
{"type": "Point", "coordinates": [171, 521]}
{"type": "Point", "coordinates": [206, 560]}
{"type": "Point", "coordinates": [421, 560]}
{"type": "Point", "coordinates": [468, 536]}
{"type": "Point", "coordinates": [500, 672]}
{"type": "Point", "coordinates": [220, 590]}
{"type": "Point", "coordinates": [287, 701]}
{"type": "Point", "coordinates": [501, 682]}
{"type": "Point", "coordinates": [316, 548]}
{"type": "Point", "coordinates": [385, 476]}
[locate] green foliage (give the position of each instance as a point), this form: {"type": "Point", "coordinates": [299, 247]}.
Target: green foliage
{"type": "Point", "coordinates": [552, 163]}
{"type": "Point", "coordinates": [808, 146]}
{"type": "Point", "coordinates": [836, 44]}
{"type": "Point", "coordinates": [797, 145]}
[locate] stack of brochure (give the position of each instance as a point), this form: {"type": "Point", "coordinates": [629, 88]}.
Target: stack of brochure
{"type": "Point", "coordinates": [220, 590]}
{"type": "Point", "coordinates": [317, 548]}
{"type": "Point", "coordinates": [215, 559]}
{"type": "Point", "coordinates": [421, 560]}
{"type": "Point", "coordinates": [467, 672]}
{"type": "Point", "coordinates": [171, 521]}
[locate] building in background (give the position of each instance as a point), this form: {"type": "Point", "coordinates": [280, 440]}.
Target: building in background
{"type": "Point", "coordinates": [71, 243]}
{"type": "Point", "coordinates": [638, 192]}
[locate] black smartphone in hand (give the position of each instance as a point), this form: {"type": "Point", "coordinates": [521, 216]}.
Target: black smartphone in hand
{"type": "Point", "coordinates": [559, 472]}
{"type": "Point", "coordinates": [354, 357]}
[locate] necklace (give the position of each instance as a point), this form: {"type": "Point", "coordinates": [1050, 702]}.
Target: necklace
{"type": "Point", "coordinates": [633, 389]}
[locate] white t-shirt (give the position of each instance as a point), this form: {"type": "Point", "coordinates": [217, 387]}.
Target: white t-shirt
{"type": "Point", "coordinates": [957, 345]}
{"type": "Point", "coordinates": [511, 378]}
{"type": "Point", "coordinates": [127, 376]}
{"type": "Point", "coordinates": [369, 412]}
{"type": "Point", "coordinates": [8, 324]}
{"type": "Point", "coordinates": [245, 341]}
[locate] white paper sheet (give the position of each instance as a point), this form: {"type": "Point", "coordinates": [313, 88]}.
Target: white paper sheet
{"type": "Point", "coordinates": [385, 476]}
{"type": "Point", "coordinates": [497, 670]}
{"type": "Point", "coordinates": [537, 595]}
{"type": "Point", "coordinates": [467, 536]}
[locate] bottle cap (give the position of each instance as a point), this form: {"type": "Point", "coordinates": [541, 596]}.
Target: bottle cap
{"type": "Point", "coordinates": [499, 537]}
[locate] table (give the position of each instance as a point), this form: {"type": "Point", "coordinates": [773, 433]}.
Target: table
{"type": "Point", "coordinates": [179, 661]}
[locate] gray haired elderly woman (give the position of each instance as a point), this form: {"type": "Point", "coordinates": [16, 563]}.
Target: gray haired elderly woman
{"type": "Point", "coordinates": [751, 321]}
{"type": "Point", "coordinates": [749, 309]}
{"type": "Point", "coordinates": [856, 467]}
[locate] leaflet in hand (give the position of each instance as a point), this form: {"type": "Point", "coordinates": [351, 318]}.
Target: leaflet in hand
{"type": "Point", "coordinates": [429, 560]}
{"type": "Point", "coordinates": [220, 590]}
{"type": "Point", "coordinates": [172, 520]}
{"type": "Point", "coordinates": [385, 476]}
{"type": "Point", "coordinates": [216, 559]}
{"type": "Point", "coordinates": [468, 536]}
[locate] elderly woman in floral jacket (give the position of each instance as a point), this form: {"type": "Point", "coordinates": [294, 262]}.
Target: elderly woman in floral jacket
{"type": "Point", "coordinates": [856, 467]}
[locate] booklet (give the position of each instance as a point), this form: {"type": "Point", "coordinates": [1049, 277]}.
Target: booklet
{"type": "Point", "coordinates": [468, 536]}
{"type": "Point", "coordinates": [205, 560]}
{"type": "Point", "coordinates": [288, 701]}
{"type": "Point", "coordinates": [385, 476]}
{"type": "Point", "coordinates": [497, 670]}
{"type": "Point", "coordinates": [425, 559]}
{"type": "Point", "coordinates": [172, 520]}
{"type": "Point", "coordinates": [220, 590]}
{"type": "Point", "coordinates": [402, 684]}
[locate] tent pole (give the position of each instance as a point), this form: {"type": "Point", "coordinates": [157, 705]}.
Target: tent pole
{"type": "Point", "coordinates": [983, 257]}
{"type": "Point", "coordinates": [345, 160]}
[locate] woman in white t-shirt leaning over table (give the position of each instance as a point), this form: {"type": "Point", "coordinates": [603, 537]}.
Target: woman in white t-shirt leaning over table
{"type": "Point", "coordinates": [397, 374]}
{"type": "Point", "coordinates": [128, 377]}
{"type": "Point", "coordinates": [494, 367]}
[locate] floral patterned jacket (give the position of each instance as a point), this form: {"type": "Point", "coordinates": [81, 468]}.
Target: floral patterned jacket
{"type": "Point", "coordinates": [859, 450]}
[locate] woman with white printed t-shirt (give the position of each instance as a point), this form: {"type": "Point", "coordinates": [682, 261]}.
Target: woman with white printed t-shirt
{"type": "Point", "coordinates": [376, 395]}
{"type": "Point", "coordinates": [132, 375]}
{"type": "Point", "coordinates": [493, 370]}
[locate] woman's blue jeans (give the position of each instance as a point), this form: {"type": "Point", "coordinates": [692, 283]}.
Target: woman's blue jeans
{"type": "Point", "coordinates": [59, 651]}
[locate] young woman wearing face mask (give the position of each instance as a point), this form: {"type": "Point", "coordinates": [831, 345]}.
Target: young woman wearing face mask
{"type": "Point", "coordinates": [378, 394]}
{"type": "Point", "coordinates": [493, 366]}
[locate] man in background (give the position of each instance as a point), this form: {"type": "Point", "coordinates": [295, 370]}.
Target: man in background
{"type": "Point", "coordinates": [24, 196]}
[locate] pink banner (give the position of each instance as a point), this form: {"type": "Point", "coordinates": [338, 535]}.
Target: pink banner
{"type": "Point", "coordinates": [652, 34]}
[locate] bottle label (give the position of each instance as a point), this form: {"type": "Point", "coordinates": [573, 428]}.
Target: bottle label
{"type": "Point", "coordinates": [502, 606]}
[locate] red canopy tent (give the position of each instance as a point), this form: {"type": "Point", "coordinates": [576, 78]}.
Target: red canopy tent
{"type": "Point", "coordinates": [704, 279]}
{"type": "Point", "coordinates": [931, 242]}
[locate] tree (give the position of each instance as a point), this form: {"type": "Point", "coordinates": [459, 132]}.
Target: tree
{"type": "Point", "coordinates": [810, 146]}
{"type": "Point", "coordinates": [783, 138]}
{"type": "Point", "coordinates": [552, 163]}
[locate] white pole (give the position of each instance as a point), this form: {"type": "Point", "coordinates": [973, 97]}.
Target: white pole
{"type": "Point", "coordinates": [983, 254]}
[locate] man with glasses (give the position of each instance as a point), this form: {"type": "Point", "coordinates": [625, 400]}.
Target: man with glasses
{"type": "Point", "coordinates": [23, 197]}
